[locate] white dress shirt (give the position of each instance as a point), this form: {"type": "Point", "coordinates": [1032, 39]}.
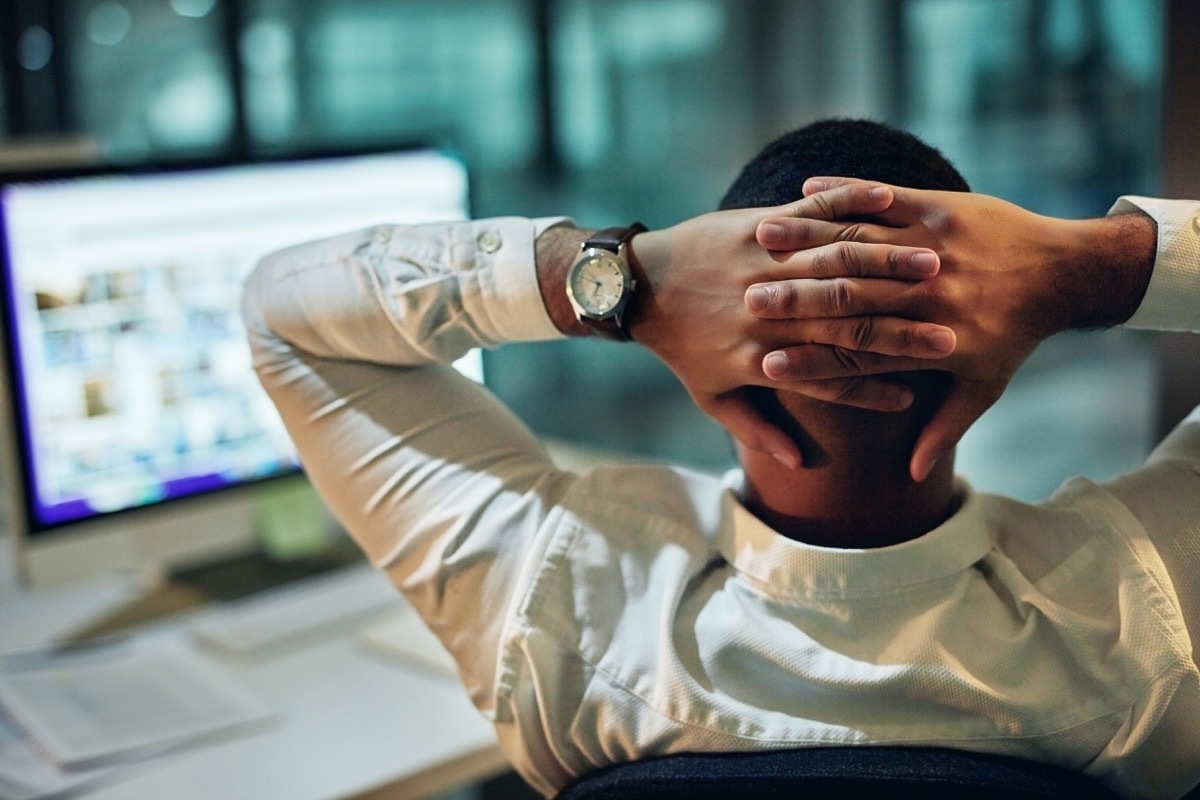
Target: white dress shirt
{"type": "Point", "coordinates": [641, 610]}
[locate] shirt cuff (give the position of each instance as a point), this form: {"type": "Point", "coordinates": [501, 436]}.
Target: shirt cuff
{"type": "Point", "coordinates": [1172, 301]}
{"type": "Point", "coordinates": [506, 278]}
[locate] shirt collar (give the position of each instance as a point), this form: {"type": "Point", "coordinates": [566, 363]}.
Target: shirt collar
{"type": "Point", "coordinates": [789, 569]}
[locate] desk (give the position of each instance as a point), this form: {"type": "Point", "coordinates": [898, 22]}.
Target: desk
{"type": "Point", "coordinates": [351, 722]}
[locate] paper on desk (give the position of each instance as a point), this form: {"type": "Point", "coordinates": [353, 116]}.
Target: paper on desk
{"type": "Point", "coordinates": [100, 703]}
{"type": "Point", "coordinates": [26, 774]}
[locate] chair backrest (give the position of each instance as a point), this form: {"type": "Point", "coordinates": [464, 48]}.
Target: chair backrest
{"type": "Point", "coordinates": [851, 772]}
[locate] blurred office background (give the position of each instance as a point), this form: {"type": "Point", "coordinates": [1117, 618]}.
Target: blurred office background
{"type": "Point", "coordinates": [614, 110]}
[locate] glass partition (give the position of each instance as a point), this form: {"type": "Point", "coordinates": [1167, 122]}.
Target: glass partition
{"type": "Point", "coordinates": [149, 79]}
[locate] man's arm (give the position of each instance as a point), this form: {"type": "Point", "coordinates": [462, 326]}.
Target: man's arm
{"type": "Point", "coordinates": [439, 484]}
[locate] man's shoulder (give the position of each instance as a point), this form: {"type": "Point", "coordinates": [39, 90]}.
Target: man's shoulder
{"type": "Point", "coordinates": [1083, 542]}
{"type": "Point", "coordinates": [638, 501]}
{"type": "Point", "coordinates": [658, 489]}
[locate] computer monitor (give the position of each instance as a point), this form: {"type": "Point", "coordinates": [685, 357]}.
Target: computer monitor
{"type": "Point", "coordinates": [136, 435]}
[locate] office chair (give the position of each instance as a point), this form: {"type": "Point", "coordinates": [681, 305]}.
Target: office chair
{"type": "Point", "coordinates": [849, 773]}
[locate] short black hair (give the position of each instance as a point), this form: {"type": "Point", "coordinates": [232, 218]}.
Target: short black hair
{"type": "Point", "coordinates": [851, 148]}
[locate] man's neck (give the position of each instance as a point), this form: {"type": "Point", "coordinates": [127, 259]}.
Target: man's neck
{"type": "Point", "coordinates": [846, 506]}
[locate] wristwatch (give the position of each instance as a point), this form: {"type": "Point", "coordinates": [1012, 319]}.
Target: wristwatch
{"type": "Point", "coordinates": [600, 281]}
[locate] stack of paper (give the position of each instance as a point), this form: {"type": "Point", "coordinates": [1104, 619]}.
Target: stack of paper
{"type": "Point", "coordinates": [74, 711]}
{"type": "Point", "coordinates": [26, 774]}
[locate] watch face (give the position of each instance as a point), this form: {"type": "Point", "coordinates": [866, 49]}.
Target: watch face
{"type": "Point", "coordinates": [597, 284]}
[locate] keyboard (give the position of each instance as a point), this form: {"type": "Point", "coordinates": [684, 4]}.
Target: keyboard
{"type": "Point", "coordinates": [296, 611]}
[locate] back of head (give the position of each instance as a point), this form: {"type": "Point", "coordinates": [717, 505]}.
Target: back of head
{"type": "Point", "coordinates": [849, 148]}
{"type": "Point", "coordinates": [829, 433]}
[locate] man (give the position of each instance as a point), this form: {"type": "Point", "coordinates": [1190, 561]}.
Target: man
{"type": "Point", "coordinates": [821, 595]}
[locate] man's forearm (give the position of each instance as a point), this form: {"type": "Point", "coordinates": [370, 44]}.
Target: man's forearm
{"type": "Point", "coordinates": [402, 295]}
{"type": "Point", "coordinates": [555, 250]}
{"type": "Point", "coordinates": [1103, 270]}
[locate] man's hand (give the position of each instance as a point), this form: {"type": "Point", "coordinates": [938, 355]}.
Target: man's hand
{"type": "Point", "coordinates": [689, 311]}
{"type": "Point", "coordinates": [1008, 279]}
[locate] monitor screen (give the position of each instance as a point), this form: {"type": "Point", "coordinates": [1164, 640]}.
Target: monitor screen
{"type": "Point", "coordinates": [129, 380]}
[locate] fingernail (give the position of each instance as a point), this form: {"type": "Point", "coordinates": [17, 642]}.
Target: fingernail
{"type": "Point", "coordinates": [771, 231]}
{"type": "Point", "coordinates": [928, 469]}
{"type": "Point", "coordinates": [786, 460]}
{"type": "Point", "coordinates": [775, 365]}
{"type": "Point", "coordinates": [941, 341]}
{"type": "Point", "coordinates": [757, 298]}
{"type": "Point", "coordinates": [879, 193]}
{"type": "Point", "coordinates": [925, 263]}
{"type": "Point", "coordinates": [816, 185]}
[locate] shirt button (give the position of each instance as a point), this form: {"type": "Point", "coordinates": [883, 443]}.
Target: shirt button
{"type": "Point", "coordinates": [1196, 223]}
{"type": "Point", "coordinates": [489, 242]}
{"type": "Point", "coordinates": [382, 235]}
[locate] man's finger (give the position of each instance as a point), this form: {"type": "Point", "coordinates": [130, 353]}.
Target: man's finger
{"type": "Point", "coordinates": [888, 336]}
{"type": "Point", "coordinates": [824, 183]}
{"type": "Point", "coordinates": [737, 414]}
{"type": "Point", "coordinates": [786, 235]}
{"type": "Point", "coordinates": [789, 366]}
{"type": "Point", "coordinates": [811, 298]}
{"type": "Point", "coordinates": [859, 260]}
{"type": "Point", "coordinates": [965, 404]}
{"type": "Point", "coordinates": [904, 209]}
{"type": "Point", "coordinates": [849, 199]}
{"type": "Point", "coordinates": [873, 394]}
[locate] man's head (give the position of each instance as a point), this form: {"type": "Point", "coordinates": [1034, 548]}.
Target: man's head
{"type": "Point", "coordinates": [846, 147]}
{"type": "Point", "coordinates": [829, 433]}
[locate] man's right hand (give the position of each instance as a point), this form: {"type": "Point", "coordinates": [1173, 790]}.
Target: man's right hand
{"type": "Point", "coordinates": [1008, 279]}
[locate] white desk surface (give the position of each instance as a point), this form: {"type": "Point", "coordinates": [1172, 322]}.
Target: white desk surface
{"type": "Point", "coordinates": [352, 722]}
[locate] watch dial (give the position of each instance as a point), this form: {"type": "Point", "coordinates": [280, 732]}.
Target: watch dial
{"type": "Point", "coordinates": [598, 285]}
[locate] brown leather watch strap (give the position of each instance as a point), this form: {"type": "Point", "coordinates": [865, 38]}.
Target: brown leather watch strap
{"type": "Point", "coordinates": [612, 239]}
